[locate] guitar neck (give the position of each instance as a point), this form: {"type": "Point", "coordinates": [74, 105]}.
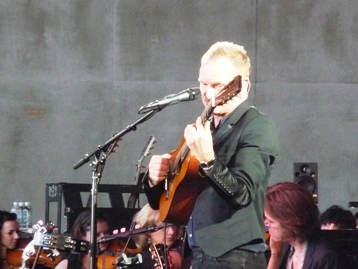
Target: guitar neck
{"type": "Point", "coordinates": [133, 198]}
{"type": "Point", "coordinates": [230, 90]}
{"type": "Point", "coordinates": [184, 150]}
{"type": "Point", "coordinates": [206, 113]}
{"type": "Point", "coordinates": [146, 152]}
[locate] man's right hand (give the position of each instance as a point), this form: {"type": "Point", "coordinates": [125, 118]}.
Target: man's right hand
{"type": "Point", "coordinates": [158, 168]}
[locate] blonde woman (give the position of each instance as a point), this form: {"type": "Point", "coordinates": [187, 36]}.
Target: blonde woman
{"type": "Point", "coordinates": [148, 243]}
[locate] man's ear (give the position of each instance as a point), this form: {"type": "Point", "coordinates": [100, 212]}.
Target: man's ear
{"type": "Point", "coordinates": [248, 86]}
{"type": "Point", "coordinates": [245, 80]}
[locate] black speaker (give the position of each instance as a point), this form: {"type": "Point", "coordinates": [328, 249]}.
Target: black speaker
{"type": "Point", "coordinates": [306, 175]}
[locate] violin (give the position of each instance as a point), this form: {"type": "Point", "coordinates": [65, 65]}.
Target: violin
{"type": "Point", "coordinates": [14, 256]}
{"type": "Point", "coordinates": [108, 259]}
{"type": "Point", "coordinates": [45, 259]}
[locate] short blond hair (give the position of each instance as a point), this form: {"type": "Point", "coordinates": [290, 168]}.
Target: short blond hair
{"type": "Point", "coordinates": [236, 53]}
{"type": "Point", "coordinates": [145, 218]}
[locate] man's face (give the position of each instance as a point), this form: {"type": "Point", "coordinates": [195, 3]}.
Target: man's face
{"type": "Point", "coordinates": [214, 75]}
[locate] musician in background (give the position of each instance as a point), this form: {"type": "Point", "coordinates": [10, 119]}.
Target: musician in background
{"type": "Point", "coordinates": [81, 229]}
{"type": "Point", "coordinates": [337, 218]}
{"type": "Point", "coordinates": [226, 227]}
{"type": "Point", "coordinates": [10, 234]}
{"type": "Point", "coordinates": [292, 218]}
{"type": "Point", "coordinates": [168, 236]}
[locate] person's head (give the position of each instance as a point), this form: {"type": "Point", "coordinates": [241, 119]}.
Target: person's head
{"type": "Point", "coordinates": [148, 217]}
{"type": "Point", "coordinates": [337, 218]}
{"type": "Point", "coordinates": [81, 228]}
{"type": "Point", "coordinates": [219, 66]}
{"type": "Point", "coordinates": [9, 230]}
{"type": "Point", "coordinates": [290, 212]}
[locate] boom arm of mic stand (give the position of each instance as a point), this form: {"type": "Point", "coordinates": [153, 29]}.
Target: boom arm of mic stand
{"type": "Point", "coordinates": [98, 165]}
{"type": "Point", "coordinates": [115, 137]}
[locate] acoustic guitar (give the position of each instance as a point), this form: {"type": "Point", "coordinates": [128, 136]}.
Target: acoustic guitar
{"type": "Point", "coordinates": [183, 181]}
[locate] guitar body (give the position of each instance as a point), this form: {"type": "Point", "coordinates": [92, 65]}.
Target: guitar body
{"type": "Point", "coordinates": [183, 181]}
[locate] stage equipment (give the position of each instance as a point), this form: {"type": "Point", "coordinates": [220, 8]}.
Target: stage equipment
{"type": "Point", "coordinates": [306, 175]}
{"type": "Point", "coordinates": [65, 201]}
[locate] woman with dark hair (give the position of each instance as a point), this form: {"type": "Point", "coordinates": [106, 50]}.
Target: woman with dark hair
{"type": "Point", "coordinates": [292, 219]}
{"type": "Point", "coordinates": [9, 228]}
{"type": "Point", "coordinates": [81, 229]}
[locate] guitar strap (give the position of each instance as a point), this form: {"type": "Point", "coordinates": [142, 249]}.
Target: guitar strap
{"type": "Point", "coordinates": [249, 114]}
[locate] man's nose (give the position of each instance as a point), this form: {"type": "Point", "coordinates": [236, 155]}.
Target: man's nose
{"type": "Point", "coordinates": [210, 92]}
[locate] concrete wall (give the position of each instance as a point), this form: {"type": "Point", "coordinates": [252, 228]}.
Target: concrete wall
{"type": "Point", "coordinates": [73, 73]}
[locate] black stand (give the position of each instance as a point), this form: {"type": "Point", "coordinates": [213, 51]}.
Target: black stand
{"type": "Point", "coordinates": [100, 155]}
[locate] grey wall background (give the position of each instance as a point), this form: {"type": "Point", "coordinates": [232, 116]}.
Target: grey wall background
{"type": "Point", "coordinates": [72, 73]}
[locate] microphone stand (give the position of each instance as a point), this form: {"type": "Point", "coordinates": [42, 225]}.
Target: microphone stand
{"type": "Point", "coordinates": [100, 155]}
{"type": "Point", "coordinates": [115, 138]}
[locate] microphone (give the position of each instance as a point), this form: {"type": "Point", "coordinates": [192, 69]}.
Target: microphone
{"type": "Point", "coordinates": [186, 95]}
